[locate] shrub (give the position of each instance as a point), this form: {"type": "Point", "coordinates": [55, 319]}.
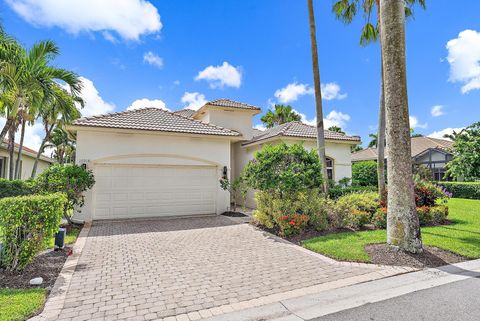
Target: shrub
{"type": "Point", "coordinates": [73, 180]}
{"type": "Point", "coordinates": [364, 173]}
{"type": "Point", "coordinates": [357, 219]}
{"type": "Point", "coordinates": [292, 224]}
{"type": "Point", "coordinates": [379, 219]}
{"type": "Point", "coordinates": [263, 215]}
{"type": "Point", "coordinates": [462, 190]}
{"type": "Point", "coordinates": [25, 222]}
{"type": "Point", "coordinates": [439, 213]}
{"type": "Point", "coordinates": [427, 194]}
{"type": "Point", "coordinates": [283, 169]}
{"type": "Point", "coordinates": [424, 215]}
{"type": "Point", "coordinates": [16, 188]}
{"type": "Point", "coordinates": [367, 201]}
{"type": "Point", "coordinates": [337, 191]}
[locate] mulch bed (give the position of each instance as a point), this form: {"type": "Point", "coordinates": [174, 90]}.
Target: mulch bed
{"type": "Point", "coordinates": [46, 265]}
{"type": "Point", "coordinates": [431, 256]}
{"type": "Point", "coordinates": [233, 214]}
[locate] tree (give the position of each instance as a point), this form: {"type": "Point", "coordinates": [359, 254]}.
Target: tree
{"type": "Point", "coordinates": [466, 154]}
{"type": "Point", "coordinates": [318, 96]}
{"type": "Point", "coordinates": [336, 129]}
{"type": "Point", "coordinates": [454, 135]}
{"type": "Point", "coordinates": [280, 115]}
{"type": "Point", "coordinates": [403, 228]}
{"type": "Point", "coordinates": [62, 144]}
{"type": "Point", "coordinates": [356, 148]}
{"type": "Point", "coordinates": [373, 141]}
{"type": "Point", "coordinates": [346, 10]}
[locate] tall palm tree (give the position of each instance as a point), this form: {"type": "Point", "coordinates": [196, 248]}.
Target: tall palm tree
{"type": "Point", "coordinates": [58, 110]}
{"type": "Point", "coordinates": [280, 115]}
{"type": "Point", "coordinates": [373, 141]}
{"type": "Point", "coordinates": [62, 144]}
{"type": "Point", "coordinates": [318, 96]}
{"type": "Point", "coordinates": [403, 228]}
{"type": "Point", "coordinates": [336, 129]}
{"type": "Point", "coordinates": [346, 10]}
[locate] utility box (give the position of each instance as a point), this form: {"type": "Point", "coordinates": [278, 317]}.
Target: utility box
{"type": "Point", "coordinates": [60, 238]}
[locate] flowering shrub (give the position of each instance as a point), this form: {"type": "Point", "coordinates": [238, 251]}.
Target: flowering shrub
{"type": "Point", "coordinates": [356, 219]}
{"type": "Point", "coordinates": [379, 219]}
{"type": "Point", "coordinates": [438, 213]}
{"type": "Point", "coordinates": [427, 194]}
{"type": "Point", "coordinates": [292, 224]}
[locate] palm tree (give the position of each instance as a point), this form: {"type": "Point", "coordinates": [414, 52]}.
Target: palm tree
{"type": "Point", "coordinates": [454, 135]}
{"type": "Point", "coordinates": [346, 10]}
{"type": "Point", "coordinates": [318, 96]}
{"type": "Point", "coordinates": [280, 115]}
{"type": "Point", "coordinates": [63, 146]}
{"type": "Point", "coordinates": [336, 129]}
{"type": "Point", "coordinates": [373, 141]}
{"type": "Point", "coordinates": [59, 110]}
{"type": "Point", "coordinates": [403, 228]}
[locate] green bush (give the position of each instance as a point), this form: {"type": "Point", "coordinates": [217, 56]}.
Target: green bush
{"type": "Point", "coordinates": [25, 222]}
{"type": "Point", "coordinates": [337, 191]}
{"type": "Point", "coordinates": [379, 219]}
{"type": "Point", "coordinates": [356, 209]}
{"type": "Point", "coordinates": [462, 190]}
{"type": "Point", "coordinates": [73, 180]}
{"type": "Point", "coordinates": [424, 215]}
{"type": "Point", "coordinates": [16, 188]}
{"type": "Point", "coordinates": [438, 213]}
{"type": "Point", "coordinates": [364, 173]}
{"type": "Point", "coordinates": [283, 169]}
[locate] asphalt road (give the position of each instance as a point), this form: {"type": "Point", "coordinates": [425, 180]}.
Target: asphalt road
{"type": "Point", "coordinates": [458, 301]}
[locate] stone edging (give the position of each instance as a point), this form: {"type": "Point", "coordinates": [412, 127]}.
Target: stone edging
{"type": "Point", "coordinates": [56, 298]}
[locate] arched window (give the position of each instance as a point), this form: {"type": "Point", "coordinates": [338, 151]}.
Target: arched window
{"type": "Point", "coordinates": [329, 167]}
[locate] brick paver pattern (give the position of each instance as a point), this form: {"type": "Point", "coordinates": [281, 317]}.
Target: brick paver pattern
{"type": "Point", "coordinates": [152, 269]}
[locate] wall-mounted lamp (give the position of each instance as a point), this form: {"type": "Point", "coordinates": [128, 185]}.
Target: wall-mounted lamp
{"type": "Point", "coordinates": [224, 172]}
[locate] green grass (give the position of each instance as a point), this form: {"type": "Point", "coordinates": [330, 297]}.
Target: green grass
{"type": "Point", "coordinates": [70, 238]}
{"type": "Point", "coordinates": [462, 237]}
{"type": "Point", "coordinates": [19, 304]}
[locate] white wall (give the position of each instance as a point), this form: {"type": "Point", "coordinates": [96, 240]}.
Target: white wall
{"type": "Point", "coordinates": [339, 152]}
{"type": "Point", "coordinates": [27, 164]}
{"type": "Point", "coordinates": [110, 147]}
{"type": "Point", "coordinates": [238, 120]}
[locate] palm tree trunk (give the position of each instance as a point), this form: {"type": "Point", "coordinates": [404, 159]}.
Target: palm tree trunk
{"type": "Point", "coordinates": [318, 97]}
{"type": "Point", "coordinates": [40, 150]}
{"type": "Point", "coordinates": [403, 228]}
{"type": "Point", "coordinates": [382, 190]}
{"type": "Point", "coordinates": [18, 174]}
{"type": "Point", "coordinates": [11, 150]}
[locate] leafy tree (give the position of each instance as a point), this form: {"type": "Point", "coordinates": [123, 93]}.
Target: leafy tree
{"type": "Point", "coordinates": [364, 173]}
{"type": "Point", "coordinates": [318, 96]}
{"type": "Point", "coordinates": [453, 136]}
{"type": "Point", "coordinates": [403, 227]}
{"type": "Point", "coordinates": [73, 180]}
{"type": "Point", "coordinates": [466, 154]}
{"type": "Point", "coordinates": [336, 129]}
{"type": "Point", "coordinates": [346, 10]}
{"type": "Point", "coordinates": [280, 115]}
{"type": "Point", "coordinates": [282, 169]}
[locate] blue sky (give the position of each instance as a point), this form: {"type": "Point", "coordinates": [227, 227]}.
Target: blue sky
{"type": "Point", "coordinates": [256, 52]}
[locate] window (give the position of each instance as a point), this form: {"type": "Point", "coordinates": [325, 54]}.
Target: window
{"type": "Point", "coordinates": [3, 164]}
{"type": "Point", "coordinates": [330, 168]}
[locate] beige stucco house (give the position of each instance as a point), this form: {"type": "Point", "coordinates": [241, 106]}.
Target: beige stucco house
{"type": "Point", "coordinates": [26, 165]}
{"type": "Point", "coordinates": [150, 162]}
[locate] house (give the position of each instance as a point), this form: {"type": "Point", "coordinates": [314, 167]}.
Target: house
{"type": "Point", "coordinates": [150, 162]}
{"type": "Point", "coordinates": [432, 153]}
{"type": "Point", "coordinates": [26, 164]}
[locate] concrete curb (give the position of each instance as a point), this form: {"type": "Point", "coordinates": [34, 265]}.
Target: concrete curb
{"type": "Point", "coordinates": [56, 298]}
{"type": "Point", "coordinates": [331, 300]}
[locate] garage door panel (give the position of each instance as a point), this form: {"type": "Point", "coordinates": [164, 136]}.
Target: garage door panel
{"type": "Point", "coordinates": [129, 191]}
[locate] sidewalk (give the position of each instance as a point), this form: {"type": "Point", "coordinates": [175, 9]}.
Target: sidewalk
{"type": "Point", "coordinates": [326, 302]}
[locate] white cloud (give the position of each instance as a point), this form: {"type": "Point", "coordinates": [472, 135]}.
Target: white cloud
{"type": "Point", "coordinates": [34, 134]}
{"type": "Point", "coordinates": [94, 103]}
{"type": "Point", "coordinates": [464, 59]}
{"type": "Point", "coordinates": [220, 76]}
{"type": "Point", "coordinates": [176, 82]}
{"type": "Point", "coordinates": [260, 127]}
{"type": "Point", "coordinates": [145, 102]}
{"type": "Point", "coordinates": [440, 133]}
{"type": "Point", "coordinates": [437, 111]}
{"type": "Point", "coordinates": [334, 118]}
{"type": "Point", "coordinates": [331, 91]}
{"type": "Point", "coordinates": [128, 18]}
{"type": "Point", "coordinates": [193, 100]}
{"type": "Point", "coordinates": [153, 59]}
{"type": "Point", "coordinates": [293, 91]}
{"type": "Point", "coordinates": [415, 123]}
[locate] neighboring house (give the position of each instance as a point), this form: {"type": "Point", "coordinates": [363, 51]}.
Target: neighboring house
{"type": "Point", "coordinates": [26, 164]}
{"type": "Point", "coordinates": [150, 162]}
{"type": "Point", "coordinates": [432, 153]}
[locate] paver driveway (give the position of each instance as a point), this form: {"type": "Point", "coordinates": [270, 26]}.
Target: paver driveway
{"type": "Point", "coordinates": [154, 269]}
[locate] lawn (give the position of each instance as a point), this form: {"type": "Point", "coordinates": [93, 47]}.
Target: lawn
{"type": "Point", "coordinates": [462, 237]}
{"type": "Point", "coordinates": [70, 238]}
{"type": "Point", "coordinates": [18, 305]}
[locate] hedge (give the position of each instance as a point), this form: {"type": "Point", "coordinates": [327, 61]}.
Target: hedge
{"type": "Point", "coordinates": [16, 188]}
{"type": "Point", "coordinates": [25, 221]}
{"type": "Point", "coordinates": [336, 192]}
{"type": "Point", "coordinates": [365, 173]}
{"type": "Point", "coordinates": [469, 190]}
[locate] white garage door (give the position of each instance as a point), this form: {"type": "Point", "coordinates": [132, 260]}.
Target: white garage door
{"type": "Point", "coordinates": [131, 191]}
